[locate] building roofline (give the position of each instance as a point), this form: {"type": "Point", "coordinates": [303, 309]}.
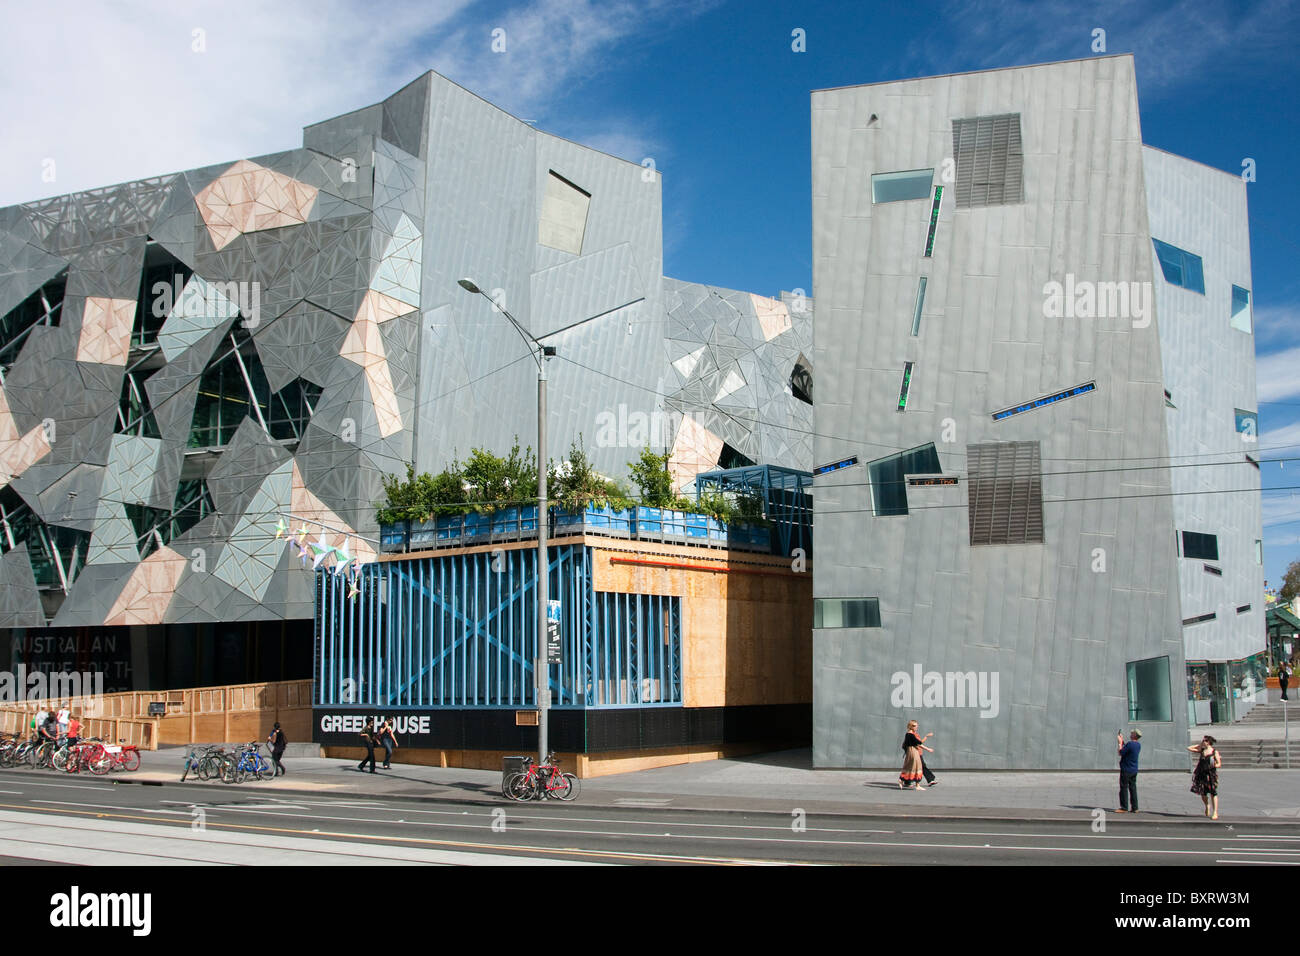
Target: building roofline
{"type": "Point", "coordinates": [481, 99]}
{"type": "Point", "coordinates": [1216, 169]}
{"type": "Point", "coordinates": [993, 69]}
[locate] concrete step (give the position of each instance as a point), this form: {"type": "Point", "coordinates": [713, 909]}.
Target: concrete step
{"type": "Point", "coordinates": [1271, 713]}
{"type": "Point", "coordinates": [1258, 753]}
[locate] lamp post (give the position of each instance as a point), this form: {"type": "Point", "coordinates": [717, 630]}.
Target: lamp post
{"type": "Point", "coordinates": [541, 665]}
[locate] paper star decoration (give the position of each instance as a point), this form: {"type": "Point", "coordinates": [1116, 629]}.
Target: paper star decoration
{"type": "Point", "coordinates": [302, 534]}
{"type": "Point", "coordinates": [342, 558]}
{"type": "Point", "coordinates": [353, 591]}
{"type": "Point", "coordinates": [323, 550]}
{"type": "Point", "coordinates": [280, 529]}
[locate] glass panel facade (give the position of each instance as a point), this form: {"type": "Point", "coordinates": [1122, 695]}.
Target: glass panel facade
{"type": "Point", "coordinates": [1241, 317]}
{"type": "Point", "coordinates": [846, 612]}
{"type": "Point", "coordinates": [224, 399]}
{"type": "Point", "coordinates": [1180, 267]}
{"type": "Point", "coordinates": [893, 187]}
{"type": "Point", "coordinates": [42, 307]}
{"type": "Point", "coordinates": [1148, 690]}
{"type": "Point", "coordinates": [888, 489]}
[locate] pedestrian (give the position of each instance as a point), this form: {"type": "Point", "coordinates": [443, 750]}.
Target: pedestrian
{"type": "Point", "coordinates": [1284, 676]}
{"type": "Point", "coordinates": [1128, 769]}
{"type": "Point", "coordinates": [368, 736]}
{"type": "Point", "coordinates": [62, 718]}
{"type": "Point", "coordinates": [389, 740]}
{"type": "Point", "coordinates": [930, 779]}
{"type": "Point", "coordinates": [1205, 779]}
{"type": "Point", "coordinates": [74, 731]}
{"type": "Point", "coordinates": [277, 742]}
{"type": "Point", "coordinates": [38, 721]}
{"type": "Point", "coordinates": [910, 778]}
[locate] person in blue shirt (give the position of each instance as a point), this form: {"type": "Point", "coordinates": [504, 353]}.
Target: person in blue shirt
{"type": "Point", "coordinates": [1128, 770]}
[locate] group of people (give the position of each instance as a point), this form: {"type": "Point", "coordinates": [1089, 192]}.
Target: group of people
{"type": "Point", "coordinates": [52, 725]}
{"type": "Point", "coordinates": [1205, 778]}
{"type": "Point", "coordinates": [380, 736]}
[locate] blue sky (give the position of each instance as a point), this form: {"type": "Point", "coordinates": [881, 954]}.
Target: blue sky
{"type": "Point", "coordinates": [711, 91]}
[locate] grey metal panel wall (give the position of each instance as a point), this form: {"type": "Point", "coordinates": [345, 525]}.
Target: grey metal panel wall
{"type": "Point", "coordinates": [1209, 370]}
{"type": "Point", "coordinates": [1056, 633]}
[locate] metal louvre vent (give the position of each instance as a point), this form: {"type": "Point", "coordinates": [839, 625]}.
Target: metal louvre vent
{"type": "Point", "coordinates": [990, 161]}
{"type": "Point", "coordinates": [1005, 493]}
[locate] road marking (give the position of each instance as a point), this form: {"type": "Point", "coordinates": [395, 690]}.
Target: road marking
{"type": "Point", "coordinates": [1260, 862]}
{"type": "Point", "coordinates": [628, 802]}
{"type": "Point", "coordinates": [489, 847]}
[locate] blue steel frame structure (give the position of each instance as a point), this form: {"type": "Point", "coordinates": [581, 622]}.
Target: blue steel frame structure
{"type": "Point", "coordinates": [786, 497]}
{"type": "Point", "coordinates": [458, 631]}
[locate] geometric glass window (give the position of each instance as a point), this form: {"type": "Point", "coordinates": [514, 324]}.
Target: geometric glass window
{"type": "Point", "coordinates": [1200, 618]}
{"type": "Point", "coordinates": [564, 215]}
{"type": "Point", "coordinates": [1243, 609]}
{"type": "Point", "coordinates": [893, 187]}
{"type": "Point", "coordinates": [846, 612]}
{"type": "Point", "coordinates": [801, 380]}
{"type": "Point", "coordinates": [42, 307]}
{"type": "Point", "coordinates": [56, 554]}
{"type": "Point", "coordinates": [135, 410]}
{"type": "Point", "coordinates": [1241, 309]}
{"type": "Point", "coordinates": [234, 386]}
{"type": "Point", "coordinates": [1148, 690]}
{"type": "Point", "coordinates": [888, 487]}
{"type": "Point", "coordinates": [1180, 267]}
{"type": "Point", "coordinates": [1259, 551]}
{"type": "Point", "coordinates": [1247, 424]}
{"type": "Point", "coordinates": [1202, 547]}
{"type": "Point", "coordinates": [161, 281]}
{"type": "Point", "coordinates": [1005, 493]}
{"type": "Point", "coordinates": [1046, 400]}
{"type": "Point", "coordinates": [934, 222]}
{"type": "Point", "coordinates": [990, 160]}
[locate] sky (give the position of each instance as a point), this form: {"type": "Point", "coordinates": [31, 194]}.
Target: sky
{"type": "Point", "coordinates": [714, 92]}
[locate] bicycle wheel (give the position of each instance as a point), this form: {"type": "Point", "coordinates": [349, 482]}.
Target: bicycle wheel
{"type": "Point", "coordinates": [559, 788]}
{"type": "Point", "coordinates": [571, 787]}
{"type": "Point", "coordinates": [131, 760]}
{"type": "Point", "coordinates": [60, 759]}
{"type": "Point", "coordinates": [520, 787]}
{"type": "Point", "coordinates": [102, 764]}
{"type": "Point", "coordinates": [267, 766]}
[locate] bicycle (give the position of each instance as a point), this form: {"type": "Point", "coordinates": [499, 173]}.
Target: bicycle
{"type": "Point", "coordinates": [542, 781]}
{"type": "Point", "coordinates": [252, 761]}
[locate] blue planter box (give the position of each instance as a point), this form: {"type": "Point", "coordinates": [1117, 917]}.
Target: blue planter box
{"type": "Point", "coordinates": [392, 537]}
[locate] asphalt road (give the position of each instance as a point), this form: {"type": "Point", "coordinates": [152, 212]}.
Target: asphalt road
{"type": "Point", "coordinates": [50, 818]}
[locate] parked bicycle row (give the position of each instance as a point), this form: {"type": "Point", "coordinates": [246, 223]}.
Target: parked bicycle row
{"type": "Point", "coordinates": [526, 779]}
{"type": "Point", "coordinates": [67, 753]}
{"type": "Point", "coordinates": [233, 765]}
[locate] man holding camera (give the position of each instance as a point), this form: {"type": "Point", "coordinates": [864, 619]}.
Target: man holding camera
{"type": "Point", "coordinates": [1128, 770]}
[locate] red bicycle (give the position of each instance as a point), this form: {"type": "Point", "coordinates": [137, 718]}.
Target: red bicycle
{"type": "Point", "coordinates": [119, 756]}
{"type": "Point", "coordinates": [542, 781]}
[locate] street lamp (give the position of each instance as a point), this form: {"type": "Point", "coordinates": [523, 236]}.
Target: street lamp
{"type": "Point", "coordinates": [541, 665]}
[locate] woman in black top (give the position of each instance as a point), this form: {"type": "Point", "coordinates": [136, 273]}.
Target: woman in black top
{"type": "Point", "coordinates": [389, 740]}
{"type": "Point", "coordinates": [1205, 780]}
{"type": "Point", "coordinates": [278, 743]}
{"type": "Point", "coordinates": [368, 738]}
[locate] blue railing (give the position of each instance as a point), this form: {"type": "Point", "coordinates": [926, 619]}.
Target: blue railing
{"type": "Point", "coordinates": [516, 524]}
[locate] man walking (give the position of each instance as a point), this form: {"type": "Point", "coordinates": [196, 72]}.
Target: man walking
{"type": "Point", "coordinates": [1284, 676]}
{"type": "Point", "coordinates": [1128, 770]}
{"type": "Point", "coordinates": [277, 742]}
{"type": "Point", "coordinates": [368, 739]}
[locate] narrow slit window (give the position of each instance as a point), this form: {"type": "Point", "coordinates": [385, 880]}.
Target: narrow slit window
{"type": "Point", "coordinates": [920, 302]}
{"type": "Point", "coordinates": [905, 387]}
{"type": "Point", "coordinates": [934, 221]}
{"type": "Point", "coordinates": [1180, 267]}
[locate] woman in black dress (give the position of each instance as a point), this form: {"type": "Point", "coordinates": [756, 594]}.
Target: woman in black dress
{"type": "Point", "coordinates": [1205, 779]}
{"type": "Point", "coordinates": [910, 778]}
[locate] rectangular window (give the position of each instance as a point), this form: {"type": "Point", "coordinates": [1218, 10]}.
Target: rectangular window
{"type": "Point", "coordinates": [1181, 268]}
{"type": "Point", "coordinates": [1243, 609]}
{"type": "Point", "coordinates": [990, 160]}
{"type": "Point", "coordinates": [888, 484]}
{"type": "Point", "coordinates": [846, 612]}
{"type": "Point", "coordinates": [1199, 620]}
{"type": "Point", "coordinates": [1203, 547]}
{"type": "Point", "coordinates": [905, 386]}
{"type": "Point", "coordinates": [1169, 400]}
{"type": "Point", "coordinates": [920, 301]}
{"type": "Point", "coordinates": [1241, 318]}
{"type": "Point", "coordinates": [835, 466]}
{"type": "Point", "coordinates": [934, 221]}
{"type": "Point", "coordinates": [1148, 690]}
{"type": "Point", "coordinates": [895, 187]}
{"type": "Point", "coordinates": [1247, 423]}
{"type": "Point", "coordinates": [1259, 551]}
{"type": "Point", "coordinates": [1005, 493]}
{"type": "Point", "coordinates": [1211, 569]}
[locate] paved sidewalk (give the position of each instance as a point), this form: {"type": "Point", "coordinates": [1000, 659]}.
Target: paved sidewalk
{"type": "Point", "coordinates": [782, 782]}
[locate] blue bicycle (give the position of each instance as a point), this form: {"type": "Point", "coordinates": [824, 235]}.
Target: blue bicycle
{"type": "Point", "coordinates": [250, 760]}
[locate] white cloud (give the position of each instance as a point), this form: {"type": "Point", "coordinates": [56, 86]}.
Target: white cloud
{"type": "Point", "coordinates": [1277, 375]}
{"type": "Point", "coordinates": [127, 96]}
{"type": "Point", "coordinates": [1281, 441]}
